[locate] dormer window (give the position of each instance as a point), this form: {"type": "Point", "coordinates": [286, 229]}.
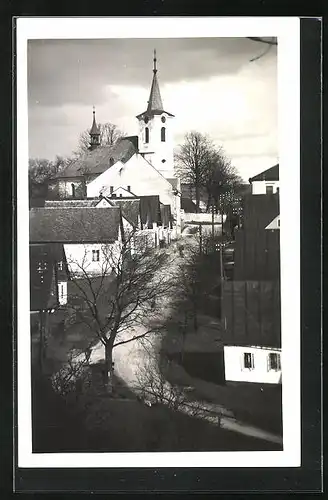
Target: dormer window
{"type": "Point", "coordinates": [129, 189]}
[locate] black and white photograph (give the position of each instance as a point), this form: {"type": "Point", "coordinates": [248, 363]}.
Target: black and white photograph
{"type": "Point", "coordinates": [155, 274]}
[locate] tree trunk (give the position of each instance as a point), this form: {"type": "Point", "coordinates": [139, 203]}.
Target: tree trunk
{"type": "Point", "coordinates": [109, 367]}
{"type": "Point", "coordinates": [197, 194]}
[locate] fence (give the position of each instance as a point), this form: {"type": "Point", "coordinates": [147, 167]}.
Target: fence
{"type": "Point", "coordinates": [251, 312]}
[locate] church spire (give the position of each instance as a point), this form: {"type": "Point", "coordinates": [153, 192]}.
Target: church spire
{"type": "Point", "coordinates": [155, 101]}
{"type": "Point", "coordinates": [94, 131]}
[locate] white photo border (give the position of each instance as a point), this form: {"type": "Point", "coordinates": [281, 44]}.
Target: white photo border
{"type": "Point", "coordinates": [287, 31]}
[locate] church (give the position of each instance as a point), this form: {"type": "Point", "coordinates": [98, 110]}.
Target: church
{"type": "Point", "coordinates": [134, 166]}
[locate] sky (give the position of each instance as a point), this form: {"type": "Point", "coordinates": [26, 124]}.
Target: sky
{"type": "Point", "coordinates": [209, 84]}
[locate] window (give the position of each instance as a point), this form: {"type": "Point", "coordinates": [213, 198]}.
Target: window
{"type": "Point", "coordinates": [269, 189]}
{"type": "Point", "coordinates": [278, 222]}
{"type": "Point", "coordinates": [73, 190]}
{"type": "Point", "coordinates": [95, 255]}
{"type": "Point", "coordinates": [147, 135]}
{"type": "Point", "coordinates": [277, 190]}
{"type": "Point", "coordinates": [111, 189]}
{"type": "Point", "coordinates": [42, 266]}
{"type": "Point", "coordinates": [129, 189]}
{"type": "Point", "coordinates": [274, 361]}
{"type": "Point", "coordinates": [163, 134]}
{"type": "Point", "coordinates": [248, 360]}
{"type": "Point", "coordinates": [60, 265]}
{"type": "Point", "coordinates": [163, 119]}
{"type": "Point", "coordinates": [121, 195]}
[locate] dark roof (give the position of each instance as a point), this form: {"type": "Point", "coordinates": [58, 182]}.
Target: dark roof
{"type": "Point", "coordinates": [173, 181]}
{"type": "Point", "coordinates": [94, 129]}
{"type": "Point", "coordinates": [90, 202]}
{"type": "Point", "coordinates": [271, 174]}
{"type": "Point", "coordinates": [150, 211]}
{"type": "Point", "coordinates": [247, 322]}
{"type": "Point", "coordinates": [188, 205]}
{"type": "Point", "coordinates": [257, 255]}
{"type": "Point", "coordinates": [166, 216]}
{"type": "Point", "coordinates": [130, 208]}
{"type": "Point", "coordinates": [155, 104]}
{"type": "Point", "coordinates": [43, 292]}
{"type": "Point", "coordinates": [259, 210]}
{"type": "Point", "coordinates": [101, 158]}
{"type": "Point", "coordinates": [74, 225]}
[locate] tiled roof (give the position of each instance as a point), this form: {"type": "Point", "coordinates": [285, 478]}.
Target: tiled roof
{"type": "Point", "coordinates": [166, 215]}
{"type": "Point", "coordinates": [271, 174]}
{"type": "Point", "coordinates": [74, 225]}
{"type": "Point", "coordinates": [91, 202]}
{"type": "Point", "coordinates": [130, 208]}
{"type": "Point", "coordinates": [150, 211]}
{"type": "Point", "coordinates": [101, 158]}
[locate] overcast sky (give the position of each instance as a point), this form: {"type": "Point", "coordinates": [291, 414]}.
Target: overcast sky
{"type": "Point", "coordinates": [209, 84]}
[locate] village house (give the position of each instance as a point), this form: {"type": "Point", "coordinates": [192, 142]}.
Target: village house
{"type": "Point", "coordinates": [267, 182]}
{"type": "Point", "coordinates": [91, 236]}
{"type": "Point", "coordinates": [135, 166]}
{"type": "Point", "coordinates": [251, 300]}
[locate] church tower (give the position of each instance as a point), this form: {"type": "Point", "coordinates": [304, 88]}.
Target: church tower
{"type": "Point", "coordinates": [94, 132]}
{"type": "Point", "coordinates": [156, 130]}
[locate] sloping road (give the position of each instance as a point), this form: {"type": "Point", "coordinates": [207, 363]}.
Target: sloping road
{"type": "Point", "coordinates": [137, 360]}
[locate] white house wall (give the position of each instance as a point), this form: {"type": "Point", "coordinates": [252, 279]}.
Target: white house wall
{"type": "Point", "coordinates": [144, 180]}
{"type": "Point", "coordinates": [79, 258]}
{"type": "Point", "coordinates": [259, 187]}
{"type": "Point", "coordinates": [235, 371]}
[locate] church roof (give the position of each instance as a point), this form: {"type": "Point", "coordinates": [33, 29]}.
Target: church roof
{"type": "Point", "coordinates": [98, 160]}
{"type": "Point", "coordinates": [155, 103]}
{"type": "Point", "coordinates": [74, 225]}
{"type": "Point", "coordinates": [271, 174]}
{"type": "Point", "coordinates": [94, 129]}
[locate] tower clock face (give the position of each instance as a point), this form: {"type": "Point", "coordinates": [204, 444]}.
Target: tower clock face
{"type": "Point", "coordinates": [146, 119]}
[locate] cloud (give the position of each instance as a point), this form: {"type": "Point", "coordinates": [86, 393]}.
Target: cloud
{"type": "Point", "coordinates": [208, 84]}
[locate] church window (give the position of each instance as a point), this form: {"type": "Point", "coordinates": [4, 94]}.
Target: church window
{"type": "Point", "coordinates": [163, 134]}
{"type": "Point", "coordinates": [129, 189]}
{"type": "Point", "coordinates": [73, 190]}
{"type": "Point", "coordinates": [111, 188]}
{"type": "Point", "coordinates": [146, 134]}
{"type": "Point", "coordinates": [163, 161]}
{"type": "Point", "coordinates": [163, 119]}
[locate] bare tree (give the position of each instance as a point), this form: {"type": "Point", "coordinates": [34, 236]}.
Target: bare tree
{"type": "Point", "coordinates": [118, 302]}
{"type": "Point", "coordinates": [221, 177]}
{"type": "Point", "coordinates": [192, 159]}
{"type": "Point", "coordinates": [109, 135]}
{"type": "Point", "coordinates": [40, 173]}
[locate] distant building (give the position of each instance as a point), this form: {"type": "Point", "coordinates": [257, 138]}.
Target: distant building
{"type": "Point", "coordinates": [267, 182]}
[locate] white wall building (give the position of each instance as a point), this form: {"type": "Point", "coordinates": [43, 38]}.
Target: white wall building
{"type": "Point", "coordinates": [266, 182]}
{"type": "Point", "coordinates": [252, 364]}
